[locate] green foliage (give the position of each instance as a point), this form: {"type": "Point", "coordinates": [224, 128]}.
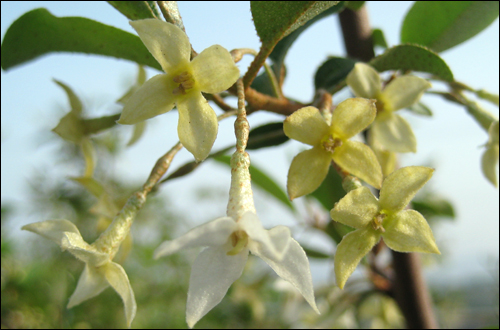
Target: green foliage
{"type": "Point", "coordinates": [332, 72]}
{"type": "Point", "coordinates": [440, 25]}
{"type": "Point", "coordinates": [268, 135]}
{"type": "Point", "coordinates": [135, 10]}
{"type": "Point", "coordinates": [412, 57]}
{"type": "Point", "coordinates": [38, 32]}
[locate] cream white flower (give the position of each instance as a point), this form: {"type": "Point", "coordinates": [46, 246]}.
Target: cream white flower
{"type": "Point", "coordinates": [212, 71]}
{"type": "Point", "coordinates": [390, 130]}
{"type": "Point", "coordinates": [100, 271]}
{"type": "Point", "coordinates": [229, 240]}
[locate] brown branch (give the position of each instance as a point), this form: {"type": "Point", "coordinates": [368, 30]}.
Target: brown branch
{"type": "Point", "coordinates": [409, 288]}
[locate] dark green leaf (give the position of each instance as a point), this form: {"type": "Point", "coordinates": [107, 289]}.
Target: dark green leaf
{"type": "Point", "coordinates": [280, 50]}
{"type": "Point", "coordinates": [433, 206]}
{"type": "Point", "coordinates": [311, 253]}
{"type": "Point", "coordinates": [414, 58]}
{"type": "Point", "coordinates": [268, 135]}
{"type": "Point", "coordinates": [263, 181]}
{"type": "Point", "coordinates": [441, 25]}
{"type": "Point", "coordinates": [274, 20]}
{"type": "Point", "coordinates": [354, 5]}
{"type": "Point", "coordinates": [420, 109]}
{"type": "Point", "coordinates": [135, 10]}
{"type": "Point", "coordinates": [330, 191]}
{"type": "Point", "coordinates": [378, 38]}
{"type": "Point", "coordinates": [262, 83]}
{"type": "Point", "coordinates": [38, 32]}
{"type": "Point", "coordinates": [332, 71]}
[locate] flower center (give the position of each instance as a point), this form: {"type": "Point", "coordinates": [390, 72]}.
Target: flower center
{"type": "Point", "coordinates": [185, 81]}
{"type": "Point", "coordinates": [377, 222]}
{"type": "Point", "coordinates": [329, 143]}
{"type": "Point", "coordinates": [239, 239]}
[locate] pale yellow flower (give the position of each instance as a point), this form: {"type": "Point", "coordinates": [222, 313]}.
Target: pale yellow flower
{"type": "Point", "coordinates": [402, 230]}
{"type": "Point", "coordinates": [389, 129]}
{"type": "Point", "coordinates": [212, 71]}
{"type": "Point", "coordinates": [330, 141]}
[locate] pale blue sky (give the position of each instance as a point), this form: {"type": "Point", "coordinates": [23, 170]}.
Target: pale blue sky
{"type": "Point", "coordinates": [450, 141]}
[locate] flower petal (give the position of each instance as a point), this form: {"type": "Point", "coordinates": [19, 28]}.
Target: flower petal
{"type": "Point", "coordinates": [408, 231]}
{"type": "Point", "coordinates": [75, 244]}
{"type": "Point", "coordinates": [400, 187]}
{"type": "Point", "coordinates": [212, 274]}
{"type": "Point", "coordinates": [197, 126]}
{"type": "Point", "coordinates": [356, 209]}
{"type": "Point", "coordinates": [213, 233]}
{"type": "Point", "coordinates": [364, 81]}
{"type": "Point", "coordinates": [294, 268]}
{"type": "Point", "coordinates": [489, 162]}
{"type": "Point", "coordinates": [52, 229]}
{"type": "Point", "coordinates": [308, 169]}
{"type": "Point", "coordinates": [91, 283]}
{"type": "Point", "coordinates": [118, 279]}
{"type": "Point", "coordinates": [261, 242]}
{"type": "Point", "coordinates": [352, 116]}
{"type": "Point", "coordinates": [359, 160]}
{"type": "Point", "coordinates": [353, 247]}
{"type": "Point", "coordinates": [403, 92]}
{"type": "Point", "coordinates": [214, 70]}
{"type": "Point", "coordinates": [306, 125]}
{"type": "Point", "coordinates": [394, 133]}
{"type": "Point", "coordinates": [153, 98]}
{"type": "Point", "coordinates": [168, 44]}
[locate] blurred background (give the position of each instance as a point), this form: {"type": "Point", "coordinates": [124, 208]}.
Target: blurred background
{"type": "Point", "coordinates": [37, 278]}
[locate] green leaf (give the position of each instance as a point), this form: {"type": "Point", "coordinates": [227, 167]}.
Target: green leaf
{"type": "Point", "coordinates": [312, 253]}
{"type": "Point", "coordinates": [74, 101]}
{"type": "Point", "coordinates": [135, 10]}
{"type": "Point", "coordinates": [441, 25]}
{"type": "Point", "coordinates": [378, 38]}
{"type": "Point", "coordinates": [420, 109]}
{"type": "Point", "coordinates": [267, 135]}
{"type": "Point", "coordinates": [330, 191]}
{"type": "Point", "coordinates": [412, 57]}
{"type": "Point", "coordinates": [276, 19]}
{"type": "Point", "coordinates": [263, 181]}
{"type": "Point", "coordinates": [38, 32]}
{"type": "Point", "coordinates": [262, 83]}
{"type": "Point", "coordinates": [355, 5]}
{"type": "Point", "coordinates": [281, 49]}
{"type": "Point", "coordinates": [332, 72]}
{"type": "Point", "coordinates": [431, 206]}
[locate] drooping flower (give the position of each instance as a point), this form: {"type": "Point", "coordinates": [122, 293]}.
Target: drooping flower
{"type": "Point", "coordinates": [100, 271]}
{"type": "Point", "coordinates": [402, 230]}
{"type": "Point", "coordinates": [331, 141]}
{"type": "Point", "coordinates": [229, 240]}
{"type": "Point", "coordinates": [212, 71]}
{"type": "Point", "coordinates": [389, 129]}
{"type": "Point", "coordinates": [489, 159]}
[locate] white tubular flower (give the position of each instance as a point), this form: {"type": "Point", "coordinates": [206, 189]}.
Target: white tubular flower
{"type": "Point", "coordinates": [212, 71]}
{"type": "Point", "coordinates": [229, 240]}
{"type": "Point", "coordinates": [389, 129]}
{"type": "Point", "coordinates": [100, 271]}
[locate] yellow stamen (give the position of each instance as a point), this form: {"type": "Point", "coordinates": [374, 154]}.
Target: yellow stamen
{"type": "Point", "coordinates": [185, 81]}
{"type": "Point", "coordinates": [329, 143]}
{"type": "Point", "coordinates": [239, 240]}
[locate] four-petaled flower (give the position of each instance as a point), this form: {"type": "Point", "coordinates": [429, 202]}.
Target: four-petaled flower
{"type": "Point", "coordinates": [389, 129]}
{"type": "Point", "coordinates": [212, 71]}
{"type": "Point", "coordinates": [99, 273]}
{"type": "Point", "coordinates": [489, 160]}
{"type": "Point", "coordinates": [331, 141]}
{"type": "Point", "coordinates": [402, 230]}
{"type": "Point", "coordinates": [229, 240]}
